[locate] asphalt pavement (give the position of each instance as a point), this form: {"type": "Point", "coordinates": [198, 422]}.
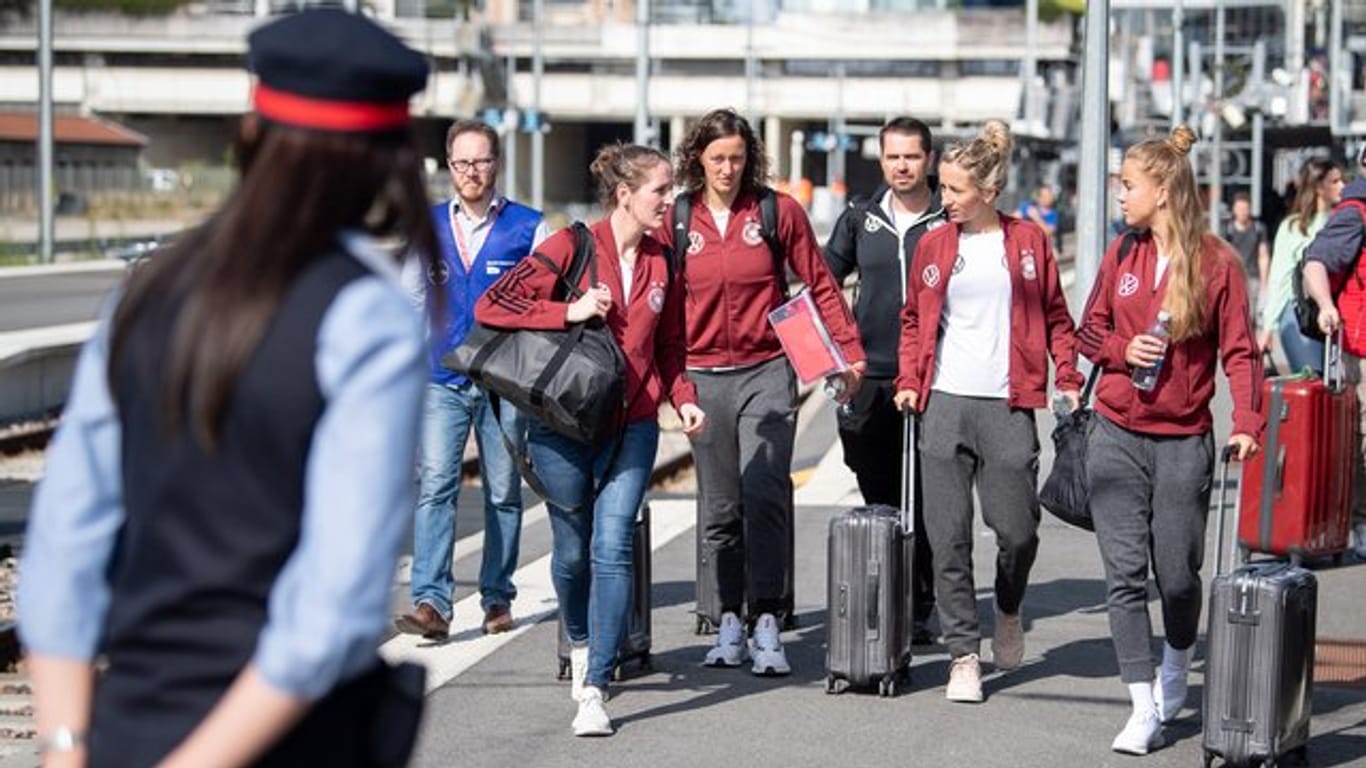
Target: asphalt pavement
{"type": "Point", "coordinates": [505, 706]}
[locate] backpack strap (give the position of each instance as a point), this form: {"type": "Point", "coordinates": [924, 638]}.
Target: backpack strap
{"type": "Point", "coordinates": [585, 257]}
{"type": "Point", "coordinates": [682, 227]}
{"type": "Point", "coordinates": [768, 230]}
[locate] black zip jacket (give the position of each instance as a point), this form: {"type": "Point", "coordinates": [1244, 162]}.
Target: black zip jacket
{"type": "Point", "coordinates": [864, 239]}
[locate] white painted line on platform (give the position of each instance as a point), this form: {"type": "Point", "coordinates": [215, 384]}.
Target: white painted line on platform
{"type": "Point", "coordinates": [471, 543]}
{"type": "Point", "coordinates": [535, 602]}
{"type": "Point", "coordinates": [96, 265]}
{"type": "Point", "coordinates": [833, 483]}
{"type": "Point", "coordinates": [19, 344]}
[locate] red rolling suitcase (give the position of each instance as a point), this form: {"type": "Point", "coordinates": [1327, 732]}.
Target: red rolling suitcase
{"type": "Point", "coordinates": [1297, 493]}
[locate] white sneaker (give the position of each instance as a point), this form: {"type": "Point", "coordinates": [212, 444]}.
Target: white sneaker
{"type": "Point", "coordinates": [767, 649]}
{"type": "Point", "coordinates": [1169, 693]}
{"type": "Point", "coordinates": [578, 670]}
{"type": "Point", "coordinates": [729, 650]}
{"type": "Point", "coordinates": [592, 719]}
{"type": "Point", "coordinates": [1141, 735]}
{"type": "Point", "coordinates": [965, 680]}
{"type": "Point", "coordinates": [1359, 533]}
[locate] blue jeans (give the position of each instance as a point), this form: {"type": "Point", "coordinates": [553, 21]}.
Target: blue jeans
{"type": "Point", "coordinates": [449, 414]}
{"type": "Point", "coordinates": [1302, 351]}
{"type": "Point", "coordinates": [591, 561]}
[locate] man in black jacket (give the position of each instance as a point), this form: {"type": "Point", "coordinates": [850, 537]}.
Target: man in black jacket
{"type": "Point", "coordinates": [876, 237]}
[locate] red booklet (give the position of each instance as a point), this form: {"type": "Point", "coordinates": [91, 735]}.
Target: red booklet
{"type": "Point", "coordinates": [806, 341]}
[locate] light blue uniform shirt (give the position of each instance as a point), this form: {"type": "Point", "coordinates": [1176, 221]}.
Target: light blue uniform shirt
{"type": "Point", "coordinates": [329, 605]}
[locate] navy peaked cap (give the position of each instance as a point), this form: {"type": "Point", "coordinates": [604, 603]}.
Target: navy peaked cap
{"type": "Point", "coordinates": [332, 70]}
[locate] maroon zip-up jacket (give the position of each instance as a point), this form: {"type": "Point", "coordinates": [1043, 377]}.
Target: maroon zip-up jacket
{"type": "Point", "coordinates": [1040, 324]}
{"type": "Point", "coordinates": [1124, 303]}
{"type": "Point", "coordinates": [732, 283]}
{"type": "Point", "coordinates": [649, 327]}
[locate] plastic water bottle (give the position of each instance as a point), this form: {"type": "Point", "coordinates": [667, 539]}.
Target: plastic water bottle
{"type": "Point", "coordinates": [834, 388]}
{"type": "Point", "coordinates": [1146, 378]}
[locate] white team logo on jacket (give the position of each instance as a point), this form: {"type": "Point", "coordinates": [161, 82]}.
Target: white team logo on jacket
{"type": "Point", "coordinates": [1128, 284]}
{"type": "Point", "coordinates": [1027, 267]}
{"type": "Point", "coordinates": [751, 233]}
{"type": "Point", "coordinates": [871, 223]}
{"type": "Point", "coordinates": [656, 298]}
{"type": "Point", "coordinates": [695, 243]}
{"type": "Point", "coordinates": [930, 275]}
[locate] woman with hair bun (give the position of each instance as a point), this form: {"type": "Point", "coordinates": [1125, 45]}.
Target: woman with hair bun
{"type": "Point", "coordinates": [1150, 452]}
{"type": "Point", "coordinates": [643, 307]}
{"type": "Point", "coordinates": [985, 310]}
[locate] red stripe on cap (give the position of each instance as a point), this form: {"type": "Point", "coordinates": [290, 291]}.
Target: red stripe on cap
{"type": "Point", "coordinates": [305, 112]}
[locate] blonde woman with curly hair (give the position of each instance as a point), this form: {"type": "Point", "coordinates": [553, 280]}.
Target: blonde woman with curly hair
{"type": "Point", "coordinates": [984, 313]}
{"type": "Point", "coordinates": [1150, 453]}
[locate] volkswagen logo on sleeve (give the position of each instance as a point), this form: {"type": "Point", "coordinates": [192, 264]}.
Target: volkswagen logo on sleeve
{"type": "Point", "coordinates": [1028, 269]}
{"type": "Point", "coordinates": [1128, 284]}
{"type": "Point", "coordinates": [930, 275]}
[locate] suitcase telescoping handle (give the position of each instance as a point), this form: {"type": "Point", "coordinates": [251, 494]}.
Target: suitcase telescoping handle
{"type": "Point", "coordinates": [1334, 374]}
{"type": "Point", "coordinates": [908, 444]}
{"type": "Point", "coordinates": [1226, 457]}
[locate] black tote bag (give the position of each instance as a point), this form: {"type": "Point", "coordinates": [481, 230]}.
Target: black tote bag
{"type": "Point", "coordinates": [573, 381]}
{"type": "Point", "coordinates": [1065, 493]}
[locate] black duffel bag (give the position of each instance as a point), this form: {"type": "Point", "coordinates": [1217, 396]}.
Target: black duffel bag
{"type": "Point", "coordinates": [1065, 492]}
{"type": "Point", "coordinates": [573, 381]}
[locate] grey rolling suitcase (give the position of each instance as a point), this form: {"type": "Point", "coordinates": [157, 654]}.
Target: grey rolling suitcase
{"type": "Point", "coordinates": [708, 600]}
{"type": "Point", "coordinates": [1259, 680]}
{"type": "Point", "coordinates": [869, 596]}
{"type": "Point", "coordinates": [635, 645]}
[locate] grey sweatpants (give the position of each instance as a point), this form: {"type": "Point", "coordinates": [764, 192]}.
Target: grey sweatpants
{"type": "Point", "coordinates": [1149, 497]}
{"type": "Point", "coordinates": [744, 482]}
{"type": "Point", "coordinates": [983, 440]}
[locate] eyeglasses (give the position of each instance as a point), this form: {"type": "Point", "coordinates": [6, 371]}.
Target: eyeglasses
{"type": "Point", "coordinates": [465, 166]}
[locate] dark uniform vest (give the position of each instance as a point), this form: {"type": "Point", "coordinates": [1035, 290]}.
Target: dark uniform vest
{"type": "Point", "coordinates": [206, 536]}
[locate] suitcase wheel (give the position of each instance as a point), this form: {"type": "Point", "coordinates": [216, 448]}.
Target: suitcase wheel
{"type": "Point", "coordinates": [1208, 759]}
{"type": "Point", "coordinates": [887, 687]}
{"type": "Point", "coordinates": [645, 664]}
{"type": "Point", "coordinates": [563, 672]}
{"type": "Point", "coordinates": [790, 621]}
{"type": "Point", "coordinates": [834, 684]}
{"type": "Point", "coordinates": [704, 626]}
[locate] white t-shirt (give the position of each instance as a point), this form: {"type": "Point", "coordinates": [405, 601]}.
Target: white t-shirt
{"type": "Point", "coordinates": [722, 218]}
{"type": "Point", "coordinates": [627, 267]}
{"type": "Point", "coordinates": [973, 351]}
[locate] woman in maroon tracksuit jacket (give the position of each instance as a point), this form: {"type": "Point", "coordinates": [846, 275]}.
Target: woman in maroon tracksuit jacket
{"type": "Point", "coordinates": [748, 389]}
{"type": "Point", "coordinates": [643, 307]}
{"type": "Point", "coordinates": [1150, 454]}
{"type": "Point", "coordinates": [984, 312]}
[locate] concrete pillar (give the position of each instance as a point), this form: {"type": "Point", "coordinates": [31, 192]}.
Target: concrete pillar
{"type": "Point", "coordinates": [775, 143]}
{"type": "Point", "coordinates": [678, 126]}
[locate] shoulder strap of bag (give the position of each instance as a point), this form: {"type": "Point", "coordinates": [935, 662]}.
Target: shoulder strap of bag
{"type": "Point", "coordinates": [682, 226]}
{"type": "Point", "coordinates": [1126, 246]}
{"type": "Point", "coordinates": [583, 258]}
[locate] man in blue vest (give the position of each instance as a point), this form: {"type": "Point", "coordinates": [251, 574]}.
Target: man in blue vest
{"type": "Point", "coordinates": [481, 235]}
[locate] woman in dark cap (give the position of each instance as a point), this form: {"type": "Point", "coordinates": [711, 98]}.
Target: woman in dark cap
{"type": "Point", "coordinates": [227, 492]}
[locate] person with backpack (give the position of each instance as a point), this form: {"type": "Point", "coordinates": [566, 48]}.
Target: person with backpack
{"type": "Point", "coordinates": [1335, 279]}
{"type": "Point", "coordinates": [985, 311]}
{"type": "Point", "coordinates": [876, 237]}
{"type": "Point", "coordinates": [1150, 452]}
{"type": "Point", "coordinates": [733, 249]}
{"type": "Point", "coordinates": [210, 556]}
{"type": "Point", "coordinates": [1317, 189]}
{"type": "Point", "coordinates": [595, 490]}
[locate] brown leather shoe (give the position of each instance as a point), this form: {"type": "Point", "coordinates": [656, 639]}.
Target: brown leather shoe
{"type": "Point", "coordinates": [498, 618]}
{"type": "Point", "coordinates": [425, 621]}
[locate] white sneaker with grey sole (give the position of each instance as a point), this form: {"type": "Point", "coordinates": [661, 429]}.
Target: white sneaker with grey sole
{"type": "Point", "coordinates": [592, 719]}
{"type": "Point", "coordinates": [729, 650]}
{"type": "Point", "coordinates": [766, 648]}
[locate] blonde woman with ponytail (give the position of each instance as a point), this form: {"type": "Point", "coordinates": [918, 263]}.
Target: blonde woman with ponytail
{"type": "Point", "coordinates": [1150, 455]}
{"type": "Point", "coordinates": [984, 313]}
